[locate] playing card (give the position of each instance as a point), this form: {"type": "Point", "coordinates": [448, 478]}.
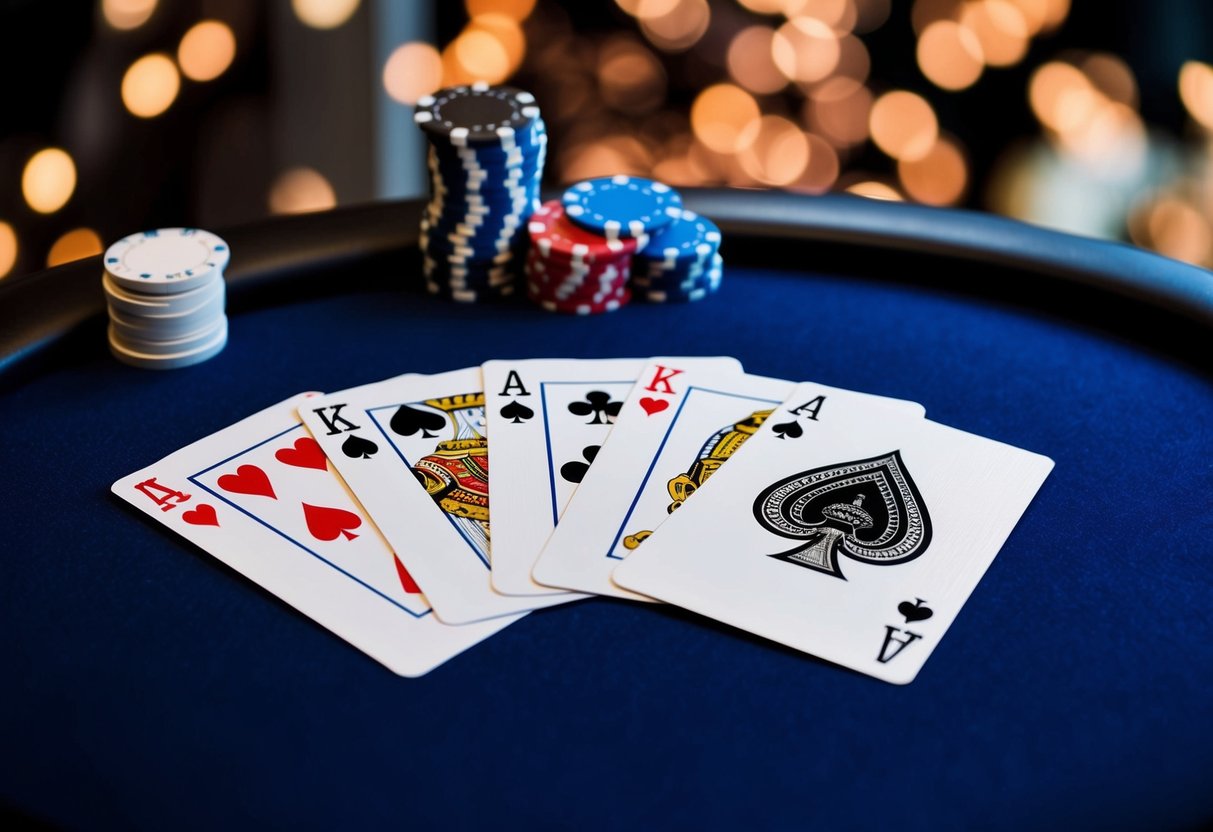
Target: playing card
{"type": "Point", "coordinates": [414, 449]}
{"type": "Point", "coordinates": [590, 537]}
{"type": "Point", "coordinates": [547, 417]}
{"type": "Point", "coordinates": [858, 541]}
{"type": "Point", "coordinates": [260, 496]}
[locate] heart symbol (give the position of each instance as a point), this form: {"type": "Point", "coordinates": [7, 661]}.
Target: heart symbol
{"type": "Point", "coordinates": [203, 515]}
{"type": "Point", "coordinates": [327, 523]}
{"type": "Point", "coordinates": [306, 454]}
{"type": "Point", "coordinates": [914, 612]}
{"type": "Point", "coordinates": [652, 406]}
{"type": "Point", "coordinates": [248, 479]}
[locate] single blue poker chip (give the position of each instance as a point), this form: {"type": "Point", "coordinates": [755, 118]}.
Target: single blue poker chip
{"type": "Point", "coordinates": [689, 238]}
{"type": "Point", "coordinates": [663, 295]}
{"type": "Point", "coordinates": [622, 206]}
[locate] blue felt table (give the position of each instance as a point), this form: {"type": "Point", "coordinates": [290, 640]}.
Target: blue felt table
{"type": "Point", "coordinates": [147, 686]}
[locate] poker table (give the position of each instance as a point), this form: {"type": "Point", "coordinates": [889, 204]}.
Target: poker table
{"type": "Point", "coordinates": [148, 686]}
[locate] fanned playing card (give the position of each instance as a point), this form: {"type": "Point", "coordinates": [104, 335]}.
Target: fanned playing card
{"type": "Point", "coordinates": [260, 496]}
{"type": "Point", "coordinates": [859, 546]}
{"type": "Point", "coordinates": [414, 449]}
{"type": "Point", "coordinates": [548, 418]}
{"type": "Point", "coordinates": [584, 547]}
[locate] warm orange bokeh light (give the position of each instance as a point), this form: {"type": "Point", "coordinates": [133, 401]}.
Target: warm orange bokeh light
{"type": "Point", "coordinates": [74, 245]}
{"type": "Point", "coordinates": [1112, 77]}
{"type": "Point", "coordinates": [875, 190]}
{"type": "Point", "coordinates": [324, 14]}
{"type": "Point", "coordinates": [903, 125]}
{"type": "Point", "coordinates": [8, 248]}
{"type": "Point", "coordinates": [631, 79]}
{"type": "Point", "coordinates": [1196, 91]}
{"type": "Point", "coordinates": [300, 191]}
{"type": "Point", "coordinates": [678, 28]}
{"type": "Point", "coordinates": [853, 59]}
{"type": "Point", "coordinates": [507, 32]}
{"type": "Point", "coordinates": [776, 151]}
{"type": "Point", "coordinates": [823, 168]}
{"type": "Point", "coordinates": [1061, 95]}
{"type": "Point", "coordinates": [925, 12]}
{"type": "Point", "coordinates": [518, 10]}
{"type": "Point", "coordinates": [751, 63]}
{"type": "Point", "coordinates": [950, 55]}
{"type": "Point", "coordinates": [127, 14]}
{"type": "Point", "coordinates": [720, 115]}
{"type": "Point", "coordinates": [48, 180]}
{"type": "Point", "coordinates": [839, 110]}
{"type": "Point", "coordinates": [1000, 28]}
{"type": "Point", "coordinates": [150, 85]}
{"type": "Point", "coordinates": [760, 6]}
{"type": "Point", "coordinates": [206, 50]}
{"type": "Point", "coordinates": [939, 178]}
{"type": "Point", "coordinates": [412, 70]}
{"type": "Point", "coordinates": [1177, 229]}
{"type": "Point", "coordinates": [480, 56]}
{"type": "Point", "coordinates": [805, 49]}
{"type": "Point", "coordinates": [839, 15]}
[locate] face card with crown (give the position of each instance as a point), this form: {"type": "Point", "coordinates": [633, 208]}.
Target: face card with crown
{"type": "Point", "coordinates": [859, 546]}
{"type": "Point", "coordinates": [414, 449]}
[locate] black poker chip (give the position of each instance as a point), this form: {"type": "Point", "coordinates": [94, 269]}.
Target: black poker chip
{"type": "Point", "coordinates": [475, 114]}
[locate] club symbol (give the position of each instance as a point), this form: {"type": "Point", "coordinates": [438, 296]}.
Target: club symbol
{"type": "Point", "coordinates": [516, 412]}
{"type": "Point", "coordinates": [914, 612]}
{"type": "Point", "coordinates": [788, 430]}
{"type": "Point", "coordinates": [597, 403]}
{"type": "Point", "coordinates": [575, 471]}
{"type": "Point", "coordinates": [408, 420]}
{"type": "Point", "coordinates": [355, 447]}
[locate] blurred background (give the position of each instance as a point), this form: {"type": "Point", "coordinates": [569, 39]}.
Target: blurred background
{"type": "Point", "coordinates": [1093, 116]}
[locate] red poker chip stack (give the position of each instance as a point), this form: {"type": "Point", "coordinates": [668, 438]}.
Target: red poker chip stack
{"type": "Point", "coordinates": [572, 270]}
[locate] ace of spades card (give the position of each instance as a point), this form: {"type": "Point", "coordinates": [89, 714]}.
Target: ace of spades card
{"type": "Point", "coordinates": [260, 496]}
{"type": "Point", "coordinates": [414, 449]}
{"type": "Point", "coordinates": [859, 547]}
{"type": "Point", "coordinates": [548, 418]}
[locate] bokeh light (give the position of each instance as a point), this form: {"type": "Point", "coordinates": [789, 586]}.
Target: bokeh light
{"type": "Point", "coordinates": [412, 70]}
{"type": "Point", "coordinates": [49, 179]}
{"type": "Point", "coordinates": [751, 61]}
{"type": "Point", "coordinates": [300, 191]}
{"type": "Point", "coordinates": [150, 85]}
{"type": "Point", "coordinates": [206, 50]}
{"type": "Point", "coordinates": [1196, 92]}
{"type": "Point", "coordinates": [821, 172]}
{"type": "Point", "coordinates": [631, 78]}
{"type": "Point", "coordinates": [1000, 28]}
{"type": "Point", "coordinates": [874, 189]}
{"type": "Point", "coordinates": [839, 15]}
{"type": "Point", "coordinates": [1060, 95]}
{"type": "Point", "coordinates": [950, 55]}
{"type": "Point", "coordinates": [903, 125]}
{"type": "Point", "coordinates": [127, 14]}
{"type": "Point", "coordinates": [939, 178]}
{"type": "Point", "coordinates": [324, 14]}
{"type": "Point", "coordinates": [517, 10]}
{"type": "Point", "coordinates": [839, 110]}
{"type": "Point", "coordinates": [776, 151]}
{"type": "Point", "coordinates": [1111, 76]}
{"type": "Point", "coordinates": [1173, 226]}
{"type": "Point", "coordinates": [805, 49]}
{"type": "Point", "coordinates": [8, 248]}
{"type": "Point", "coordinates": [720, 115]}
{"type": "Point", "coordinates": [74, 245]}
{"type": "Point", "coordinates": [674, 26]}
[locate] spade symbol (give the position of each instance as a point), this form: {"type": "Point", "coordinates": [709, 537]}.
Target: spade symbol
{"type": "Point", "coordinates": [408, 420]}
{"type": "Point", "coordinates": [598, 404]}
{"type": "Point", "coordinates": [575, 471]}
{"type": "Point", "coordinates": [516, 412]}
{"type": "Point", "coordinates": [914, 612]}
{"type": "Point", "coordinates": [355, 447]}
{"type": "Point", "coordinates": [788, 430]}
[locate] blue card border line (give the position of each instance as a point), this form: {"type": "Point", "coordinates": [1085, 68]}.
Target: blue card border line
{"type": "Point", "coordinates": [610, 553]}
{"type": "Point", "coordinates": [194, 479]}
{"type": "Point", "coordinates": [547, 438]}
{"type": "Point", "coordinates": [484, 561]}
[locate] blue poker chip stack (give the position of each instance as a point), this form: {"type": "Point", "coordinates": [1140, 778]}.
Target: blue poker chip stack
{"type": "Point", "coordinates": [681, 262]}
{"type": "Point", "coordinates": [487, 147]}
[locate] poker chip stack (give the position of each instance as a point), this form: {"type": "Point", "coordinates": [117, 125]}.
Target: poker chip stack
{"type": "Point", "coordinates": [570, 269]}
{"type": "Point", "coordinates": [487, 147]}
{"type": "Point", "coordinates": [582, 246]}
{"type": "Point", "coordinates": [681, 262]}
{"type": "Point", "coordinates": [165, 292]}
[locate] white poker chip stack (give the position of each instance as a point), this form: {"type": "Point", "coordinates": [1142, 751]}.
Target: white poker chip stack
{"type": "Point", "coordinates": [166, 293]}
